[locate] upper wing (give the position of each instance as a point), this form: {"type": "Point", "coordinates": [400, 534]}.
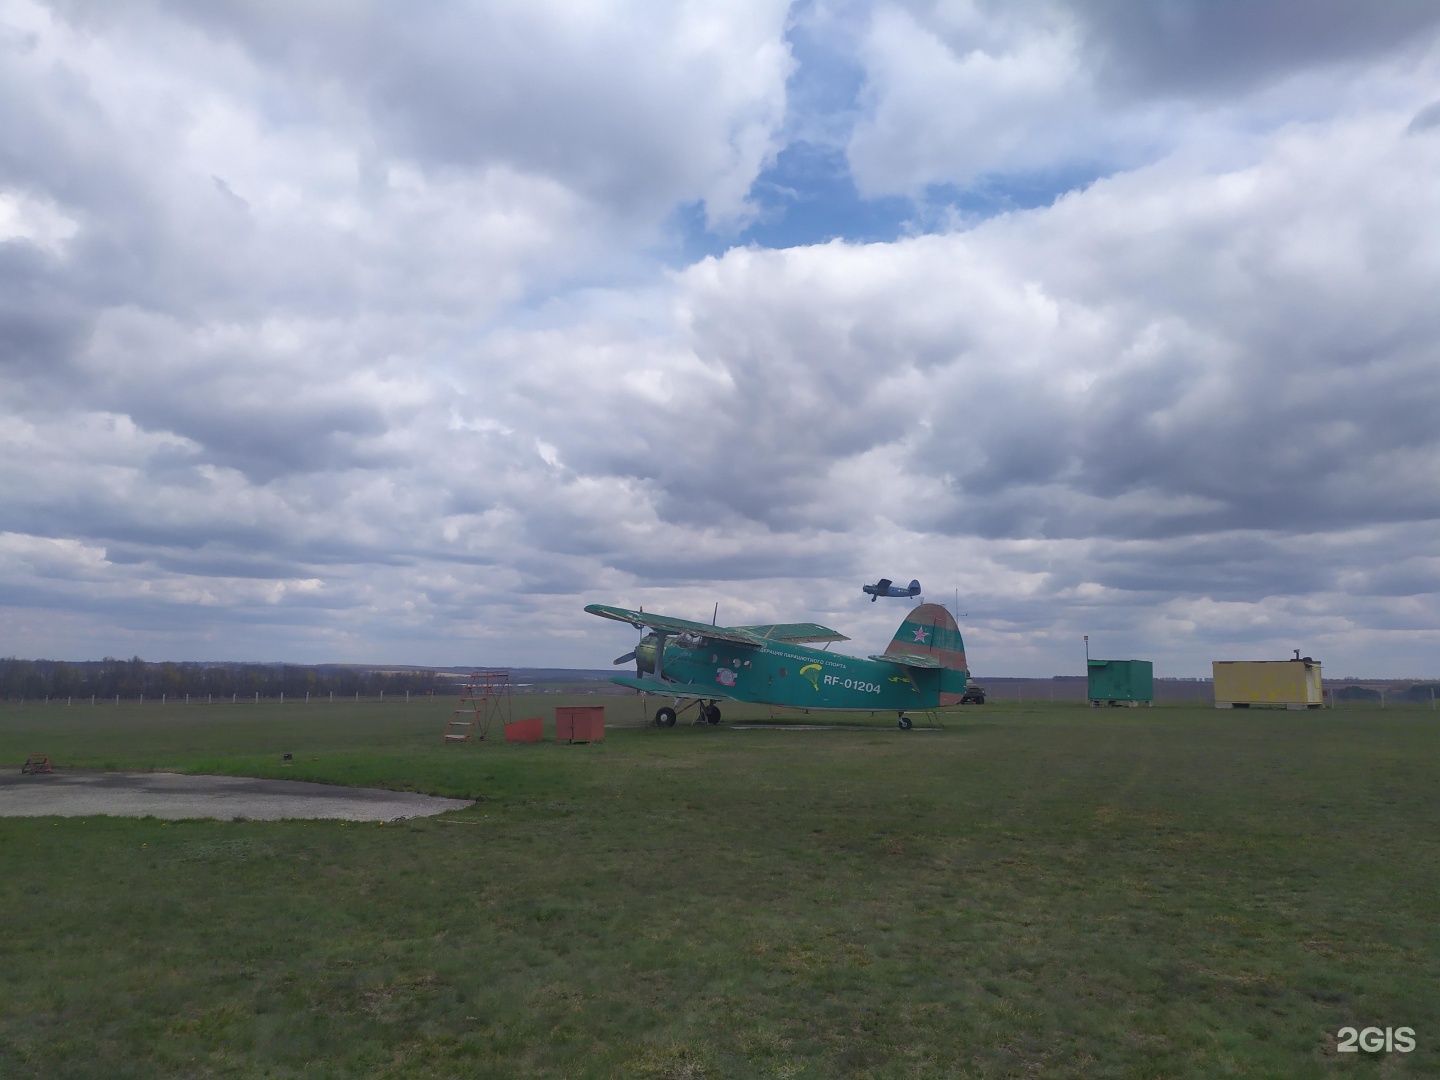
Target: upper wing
{"type": "Point", "coordinates": [908, 660]}
{"type": "Point", "coordinates": [739, 635]}
{"type": "Point", "coordinates": [794, 633]}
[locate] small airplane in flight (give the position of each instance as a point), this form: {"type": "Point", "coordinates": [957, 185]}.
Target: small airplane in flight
{"type": "Point", "coordinates": [701, 664]}
{"type": "Point", "coordinates": [883, 587]}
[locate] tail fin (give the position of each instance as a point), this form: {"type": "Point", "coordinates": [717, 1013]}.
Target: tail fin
{"type": "Point", "coordinates": [930, 630]}
{"type": "Point", "coordinates": [914, 586]}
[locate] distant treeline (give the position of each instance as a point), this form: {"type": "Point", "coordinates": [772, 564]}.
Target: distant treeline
{"type": "Point", "coordinates": [134, 678]}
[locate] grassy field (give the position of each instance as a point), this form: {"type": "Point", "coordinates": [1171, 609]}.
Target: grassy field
{"type": "Point", "coordinates": [1037, 890]}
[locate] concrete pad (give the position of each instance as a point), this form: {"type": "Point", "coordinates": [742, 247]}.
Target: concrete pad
{"type": "Point", "coordinates": [179, 795]}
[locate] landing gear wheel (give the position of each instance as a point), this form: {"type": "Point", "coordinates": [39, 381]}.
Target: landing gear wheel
{"type": "Point", "coordinates": [906, 723]}
{"type": "Point", "coordinates": [711, 714]}
{"type": "Point", "coordinates": [665, 717]}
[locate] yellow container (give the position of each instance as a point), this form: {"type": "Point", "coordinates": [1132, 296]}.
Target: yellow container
{"type": "Point", "coordinates": [1289, 684]}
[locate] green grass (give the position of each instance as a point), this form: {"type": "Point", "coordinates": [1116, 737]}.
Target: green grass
{"type": "Point", "coordinates": [1038, 890]}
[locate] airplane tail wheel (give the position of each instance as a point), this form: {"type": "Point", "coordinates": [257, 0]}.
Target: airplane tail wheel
{"type": "Point", "coordinates": [665, 717]}
{"type": "Point", "coordinates": [906, 723]}
{"type": "Point", "coordinates": [712, 714]}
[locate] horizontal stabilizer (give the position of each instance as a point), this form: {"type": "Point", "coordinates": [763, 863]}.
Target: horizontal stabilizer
{"type": "Point", "coordinates": [909, 660]}
{"type": "Point", "coordinates": [795, 633]}
{"type": "Point", "coordinates": [734, 634]}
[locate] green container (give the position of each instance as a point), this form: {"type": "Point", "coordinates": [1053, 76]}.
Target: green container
{"type": "Point", "coordinates": [1116, 681]}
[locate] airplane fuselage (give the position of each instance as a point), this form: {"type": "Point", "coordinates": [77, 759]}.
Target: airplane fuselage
{"type": "Point", "coordinates": [797, 676]}
{"type": "Point", "coordinates": [885, 587]}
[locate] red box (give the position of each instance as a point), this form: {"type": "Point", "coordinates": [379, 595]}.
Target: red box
{"type": "Point", "coordinates": [531, 729]}
{"type": "Point", "coordinates": [580, 723]}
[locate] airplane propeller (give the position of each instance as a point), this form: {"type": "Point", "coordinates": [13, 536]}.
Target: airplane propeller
{"type": "Point", "coordinates": [624, 659]}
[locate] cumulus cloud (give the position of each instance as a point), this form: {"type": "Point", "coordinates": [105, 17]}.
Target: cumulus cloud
{"type": "Point", "coordinates": [971, 93]}
{"type": "Point", "coordinates": [629, 106]}
{"type": "Point", "coordinates": [1210, 344]}
{"type": "Point", "coordinates": [344, 333]}
{"type": "Point", "coordinates": [1224, 47]}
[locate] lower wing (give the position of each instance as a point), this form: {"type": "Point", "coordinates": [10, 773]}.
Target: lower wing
{"type": "Point", "coordinates": [908, 660]}
{"type": "Point", "coordinates": [681, 690]}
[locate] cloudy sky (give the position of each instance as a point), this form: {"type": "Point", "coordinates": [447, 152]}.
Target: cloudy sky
{"type": "Point", "coordinates": [363, 331]}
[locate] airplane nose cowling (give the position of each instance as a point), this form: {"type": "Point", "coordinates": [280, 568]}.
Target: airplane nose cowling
{"type": "Point", "coordinates": [645, 655]}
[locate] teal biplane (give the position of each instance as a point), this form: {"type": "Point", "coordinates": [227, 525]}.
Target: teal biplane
{"type": "Point", "coordinates": [702, 665]}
